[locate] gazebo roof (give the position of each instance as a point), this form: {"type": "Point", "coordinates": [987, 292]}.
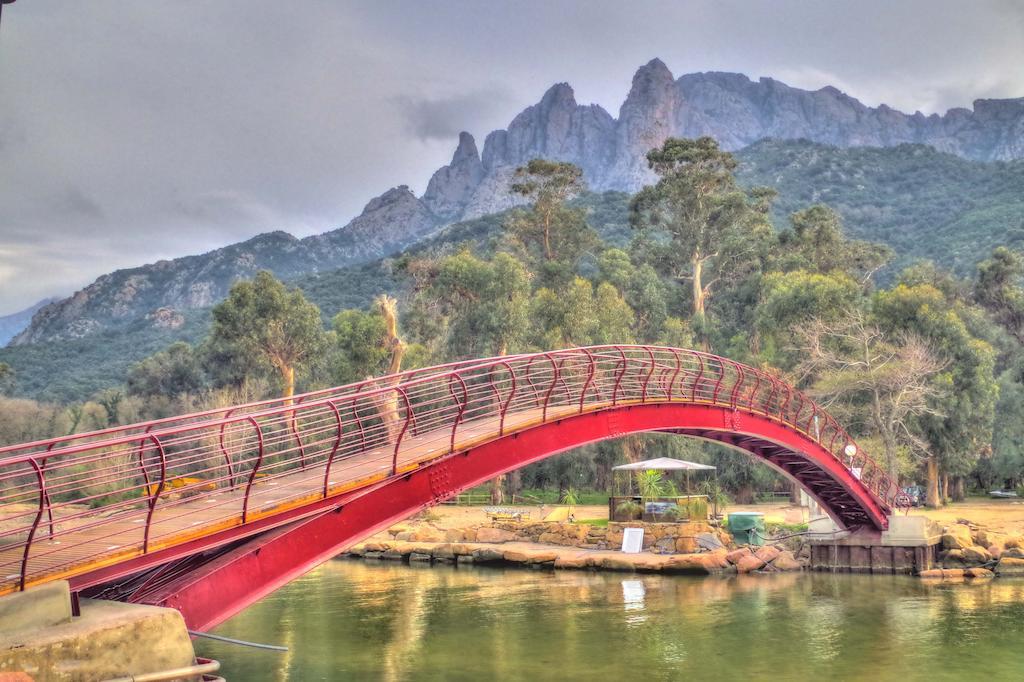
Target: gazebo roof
{"type": "Point", "coordinates": [663, 464]}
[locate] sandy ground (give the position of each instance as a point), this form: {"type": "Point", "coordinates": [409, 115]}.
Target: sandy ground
{"type": "Point", "coordinates": [1006, 516]}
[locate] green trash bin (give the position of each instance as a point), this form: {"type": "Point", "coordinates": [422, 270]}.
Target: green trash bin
{"type": "Point", "coordinates": [747, 528]}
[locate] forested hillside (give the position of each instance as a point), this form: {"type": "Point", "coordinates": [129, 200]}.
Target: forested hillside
{"type": "Point", "coordinates": [922, 203]}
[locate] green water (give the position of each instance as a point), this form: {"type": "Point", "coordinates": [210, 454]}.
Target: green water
{"type": "Point", "coordinates": [355, 620]}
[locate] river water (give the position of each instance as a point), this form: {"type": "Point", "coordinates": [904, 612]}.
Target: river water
{"type": "Point", "coordinates": [369, 620]}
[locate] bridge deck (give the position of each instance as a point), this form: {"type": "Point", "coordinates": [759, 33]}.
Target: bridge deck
{"type": "Point", "coordinates": [121, 538]}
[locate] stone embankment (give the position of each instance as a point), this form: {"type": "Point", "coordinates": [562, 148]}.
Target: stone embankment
{"type": "Point", "coordinates": [971, 551]}
{"type": "Point", "coordinates": [659, 538]}
{"type": "Point", "coordinates": [693, 548]}
{"type": "Point", "coordinates": [743, 560]}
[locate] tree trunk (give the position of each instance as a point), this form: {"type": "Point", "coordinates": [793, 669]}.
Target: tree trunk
{"type": "Point", "coordinates": [288, 379]}
{"type": "Point", "coordinates": [958, 489]}
{"type": "Point", "coordinates": [497, 494]}
{"type": "Point", "coordinates": [514, 484]}
{"type": "Point", "coordinates": [932, 489]}
{"type": "Point", "coordinates": [547, 237]}
{"type": "Point", "coordinates": [698, 286]}
{"type": "Point", "coordinates": [945, 488]}
{"type": "Point", "coordinates": [794, 494]}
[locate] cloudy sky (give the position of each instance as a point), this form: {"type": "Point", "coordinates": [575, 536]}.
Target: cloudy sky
{"type": "Point", "coordinates": [137, 130]}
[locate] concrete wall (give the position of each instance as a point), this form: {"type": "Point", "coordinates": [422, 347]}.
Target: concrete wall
{"type": "Point", "coordinates": [108, 640]}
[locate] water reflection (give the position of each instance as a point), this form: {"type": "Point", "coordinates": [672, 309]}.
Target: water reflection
{"type": "Point", "coordinates": [381, 621]}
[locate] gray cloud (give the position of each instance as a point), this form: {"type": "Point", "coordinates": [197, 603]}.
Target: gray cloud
{"type": "Point", "coordinates": [444, 118]}
{"type": "Point", "coordinates": [133, 131]}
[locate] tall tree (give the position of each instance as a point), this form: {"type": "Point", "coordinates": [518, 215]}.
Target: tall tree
{"type": "Point", "coordinates": [998, 289]}
{"type": "Point", "coordinates": [882, 383]}
{"type": "Point", "coordinates": [263, 324]}
{"type": "Point", "coordinates": [967, 388]}
{"type": "Point", "coordinates": [551, 235]}
{"type": "Point", "coordinates": [483, 301]}
{"type": "Point", "coordinates": [701, 225]}
{"type": "Point", "coordinates": [815, 242]}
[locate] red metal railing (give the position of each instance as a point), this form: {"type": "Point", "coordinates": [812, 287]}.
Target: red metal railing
{"type": "Point", "coordinates": [111, 495]}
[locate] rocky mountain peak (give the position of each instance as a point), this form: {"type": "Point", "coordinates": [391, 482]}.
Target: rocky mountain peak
{"type": "Point", "coordinates": [452, 186]}
{"type": "Point", "coordinates": [652, 82]}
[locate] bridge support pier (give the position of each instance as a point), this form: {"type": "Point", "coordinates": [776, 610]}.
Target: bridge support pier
{"type": "Point", "coordinates": [39, 636]}
{"type": "Point", "coordinates": [908, 546]}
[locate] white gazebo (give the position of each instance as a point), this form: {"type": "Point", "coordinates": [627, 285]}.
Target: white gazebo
{"type": "Point", "coordinates": [664, 464]}
{"type": "Point", "coordinates": [670, 464]}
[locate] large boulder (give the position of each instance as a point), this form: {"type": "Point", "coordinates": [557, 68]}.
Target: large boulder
{"type": "Point", "coordinates": [528, 556]}
{"type": "Point", "coordinates": [957, 536]}
{"type": "Point", "coordinates": [735, 555]}
{"type": "Point", "coordinates": [785, 561]}
{"type": "Point", "coordinates": [1013, 553]}
{"type": "Point", "coordinates": [687, 563]}
{"type": "Point", "coordinates": [977, 555]}
{"type": "Point", "coordinates": [983, 537]}
{"type": "Point", "coordinates": [426, 534]}
{"type": "Point", "coordinates": [1010, 566]}
{"type": "Point", "coordinates": [494, 535]}
{"type": "Point", "coordinates": [485, 555]}
{"type": "Point", "coordinates": [979, 573]}
{"type": "Point", "coordinates": [767, 553]}
{"type": "Point", "coordinates": [1014, 541]}
{"type": "Point", "coordinates": [749, 563]}
{"type": "Point", "coordinates": [996, 551]}
{"type": "Point", "coordinates": [455, 535]}
{"type": "Point", "coordinates": [954, 558]}
{"type": "Point", "coordinates": [572, 561]}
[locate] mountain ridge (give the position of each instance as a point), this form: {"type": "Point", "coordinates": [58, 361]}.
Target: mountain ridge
{"type": "Point", "coordinates": [730, 107]}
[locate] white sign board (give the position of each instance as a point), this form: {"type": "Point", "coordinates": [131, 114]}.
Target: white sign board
{"type": "Point", "coordinates": [632, 540]}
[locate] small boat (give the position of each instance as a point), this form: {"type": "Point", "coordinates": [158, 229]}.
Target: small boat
{"type": "Point", "coordinates": [1003, 494]}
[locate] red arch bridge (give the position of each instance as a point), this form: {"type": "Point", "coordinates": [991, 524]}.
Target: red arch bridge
{"type": "Point", "coordinates": [209, 512]}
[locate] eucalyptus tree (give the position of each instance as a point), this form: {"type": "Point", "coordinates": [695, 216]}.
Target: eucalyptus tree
{"type": "Point", "coordinates": [551, 235]}
{"type": "Point", "coordinates": [264, 326]}
{"type": "Point", "coordinates": [699, 226]}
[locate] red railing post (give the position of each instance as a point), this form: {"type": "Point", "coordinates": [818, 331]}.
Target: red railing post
{"type": "Point", "coordinates": [255, 469]}
{"type": "Point", "coordinates": [359, 423]}
{"type": "Point", "coordinates": [618, 377]}
{"type": "Point", "coordinates": [647, 379]}
{"type": "Point", "coordinates": [721, 378]}
{"type": "Point", "coordinates": [46, 493]}
{"type": "Point", "coordinates": [741, 379]}
{"type": "Point", "coordinates": [293, 425]}
{"type": "Point", "coordinates": [35, 524]}
{"type": "Point", "coordinates": [551, 388]}
{"type": "Point", "coordinates": [590, 378]}
{"type": "Point", "coordinates": [224, 450]}
{"type": "Point", "coordinates": [752, 398]}
{"type": "Point", "coordinates": [401, 434]}
{"type": "Point", "coordinates": [334, 449]}
{"type": "Point", "coordinates": [461, 404]}
{"type": "Point", "coordinates": [154, 496]}
{"type": "Point", "coordinates": [508, 401]}
{"type": "Point", "coordinates": [675, 374]}
{"type": "Point", "coordinates": [698, 378]}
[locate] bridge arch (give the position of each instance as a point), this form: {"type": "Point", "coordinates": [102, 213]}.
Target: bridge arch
{"type": "Point", "coordinates": [208, 512]}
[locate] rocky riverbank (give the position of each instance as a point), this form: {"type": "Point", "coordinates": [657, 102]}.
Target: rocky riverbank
{"type": "Point", "coordinates": [718, 561]}
{"type": "Point", "coordinates": [970, 551]}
